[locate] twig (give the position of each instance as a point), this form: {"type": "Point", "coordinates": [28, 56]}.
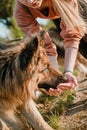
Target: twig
{"type": "Point", "coordinates": [82, 81]}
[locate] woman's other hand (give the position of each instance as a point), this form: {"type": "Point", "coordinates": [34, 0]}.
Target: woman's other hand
{"type": "Point", "coordinates": [71, 83]}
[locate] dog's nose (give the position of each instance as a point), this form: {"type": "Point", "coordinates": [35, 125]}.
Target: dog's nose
{"type": "Point", "coordinates": [64, 79]}
{"type": "Point", "coordinates": [61, 79]}
{"type": "Point", "coordinates": [53, 84]}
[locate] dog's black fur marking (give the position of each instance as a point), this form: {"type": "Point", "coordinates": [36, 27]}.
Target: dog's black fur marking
{"type": "Point", "coordinates": [6, 70]}
{"type": "Point", "coordinates": [28, 53]}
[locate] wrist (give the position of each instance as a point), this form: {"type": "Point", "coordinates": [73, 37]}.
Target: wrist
{"type": "Point", "coordinates": [68, 71]}
{"type": "Point", "coordinates": [70, 59]}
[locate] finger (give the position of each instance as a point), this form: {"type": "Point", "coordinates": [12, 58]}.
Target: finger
{"type": "Point", "coordinates": [64, 85]}
{"type": "Point", "coordinates": [54, 92]}
{"type": "Point", "coordinates": [59, 90]}
{"type": "Point", "coordinates": [75, 82]}
{"type": "Point", "coordinates": [65, 88]}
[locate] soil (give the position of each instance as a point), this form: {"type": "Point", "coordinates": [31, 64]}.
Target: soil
{"type": "Point", "coordinates": [75, 117]}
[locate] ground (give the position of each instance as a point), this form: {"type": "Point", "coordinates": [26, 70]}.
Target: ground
{"type": "Point", "coordinates": [75, 116]}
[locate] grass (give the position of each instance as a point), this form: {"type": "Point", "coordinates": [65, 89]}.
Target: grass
{"type": "Point", "coordinates": [53, 121]}
{"type": "Point", "coordinates": [54, 107]}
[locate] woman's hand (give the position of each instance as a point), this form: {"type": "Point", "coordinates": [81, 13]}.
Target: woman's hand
{"type": "Point", "coordinates": [71, 83]}
{"type": "Point", "coordinates": [71, 78]}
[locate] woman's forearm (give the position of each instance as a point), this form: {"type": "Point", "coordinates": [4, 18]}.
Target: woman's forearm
{"type": "Point", "coordinates": [70, 58]}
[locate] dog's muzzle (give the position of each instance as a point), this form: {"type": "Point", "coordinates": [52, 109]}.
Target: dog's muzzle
{"type": "Point", "coordinates": [52, 84]}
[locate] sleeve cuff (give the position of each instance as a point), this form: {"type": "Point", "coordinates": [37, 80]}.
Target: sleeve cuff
{"type": "Point", "coordinates": [73, 45]}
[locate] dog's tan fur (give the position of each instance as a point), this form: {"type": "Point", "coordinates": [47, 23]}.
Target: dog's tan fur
{"type": "Point", "coordinates": [23, 68]}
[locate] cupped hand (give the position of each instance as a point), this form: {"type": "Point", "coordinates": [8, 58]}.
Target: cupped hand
{"type": "Point", "coordinates": [71, 83]}
{"type": "Point", "coordinates": [71, 78]}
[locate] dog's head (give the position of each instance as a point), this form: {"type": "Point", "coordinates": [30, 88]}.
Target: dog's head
{"type": "Point", "coordinates": [26, 67]}
{"type": "Point", "coordinates": [34, 60]}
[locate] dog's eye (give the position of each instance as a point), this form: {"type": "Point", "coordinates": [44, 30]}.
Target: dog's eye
{"type": "Point", "coordinates": [47, 70]}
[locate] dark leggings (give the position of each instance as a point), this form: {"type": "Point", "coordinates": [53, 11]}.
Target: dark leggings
{"type": "Point", "coordinates": [57, 24]}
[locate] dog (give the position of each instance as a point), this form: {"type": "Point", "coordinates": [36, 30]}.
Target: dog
{"type": "Point", "coordinates": [24, 69]}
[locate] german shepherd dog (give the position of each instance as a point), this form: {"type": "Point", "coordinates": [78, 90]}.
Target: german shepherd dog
{"type": "Point", "coordinates": [24, 68]}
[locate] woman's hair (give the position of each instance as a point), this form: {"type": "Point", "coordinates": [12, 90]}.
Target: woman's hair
{"type": "Point", "coordinates": [71, 14]}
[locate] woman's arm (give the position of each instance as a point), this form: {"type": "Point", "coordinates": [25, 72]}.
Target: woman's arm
{"type": "Point", "coordinates": [29, 25]}
{"type": "Point", "coordinates": [71, 43]}
{"type": "Point", "coordinates": [25, 20]}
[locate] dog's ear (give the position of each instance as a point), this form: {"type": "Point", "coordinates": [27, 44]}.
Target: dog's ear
{"type": "Point", "coordinates": [41, 38]}
{"type": "Point", "coordinates": [27, 52]}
